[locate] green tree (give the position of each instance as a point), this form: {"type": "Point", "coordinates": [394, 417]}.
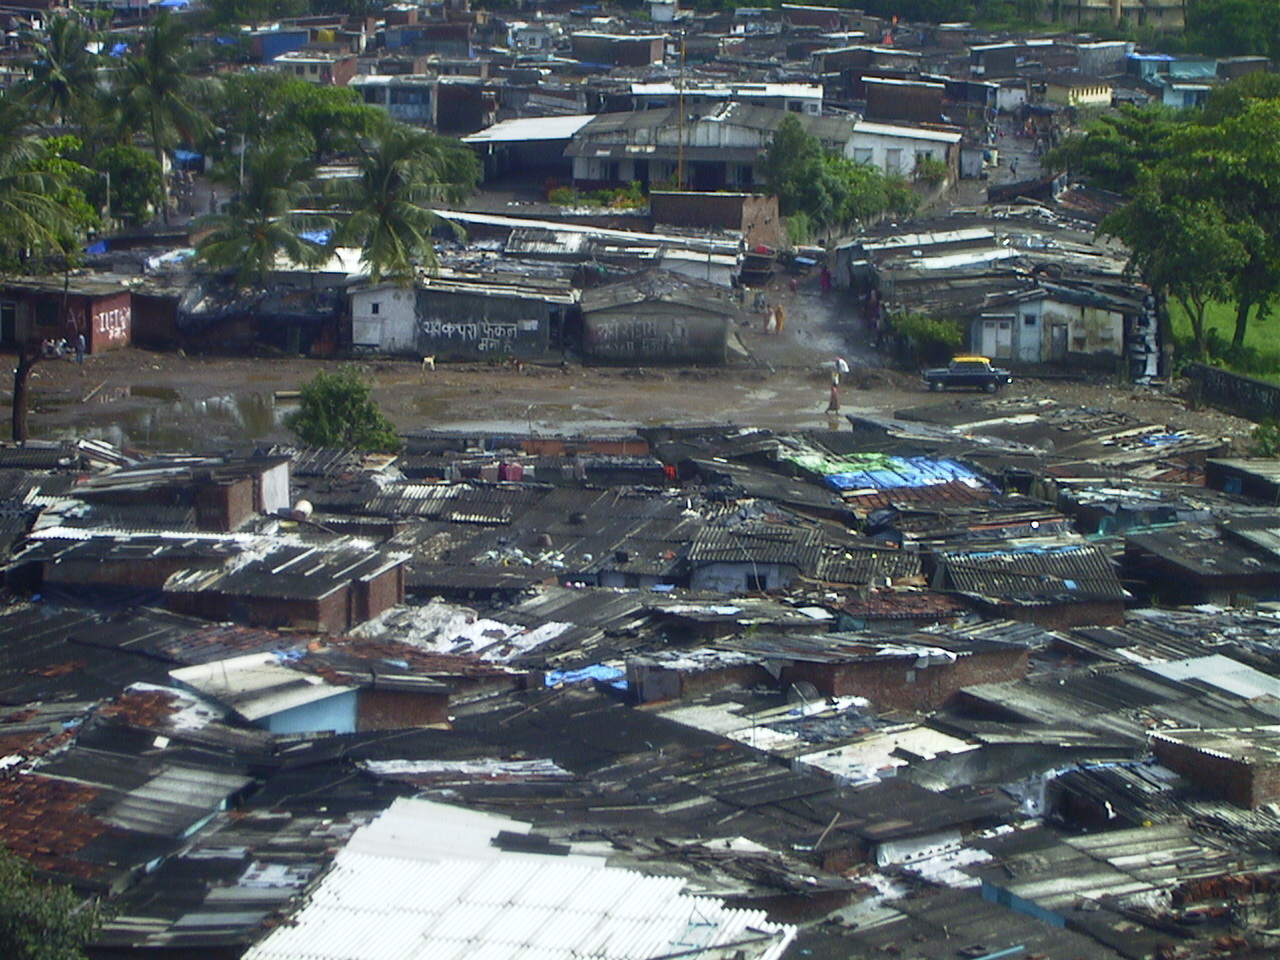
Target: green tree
{"type": "Point", "coordinates": [1116, 148]}
{"type": "Point", "coordinates": [1182, 247]}
{"type": "Point", "coordinates": [257, 108]}
{"type": "Point", "coordinates": [337, 410]}
{"type": "Point", "coordinates": [40, 921]}
{"type": "Point", "coordinates": [1233, 28]}
{"type": "Point", "coordinates": [127, 185]}
{"type": "Point", "coordinates": [263, 223]}
{"type": "Point", "coordinates": [235, 13]}
{"type": "Point", "coordinates": [828, 191]}
{"type": "Point", "coordinates": [1230, 99]}
{"type": "Point", "coordinates": [1235, 165]}
{"type": "Point", "coordinates": [161, 94]}
{"type": "Point", "coordinates": [63, 71]}
{"type": "Point", "coordinates": [401, 175]}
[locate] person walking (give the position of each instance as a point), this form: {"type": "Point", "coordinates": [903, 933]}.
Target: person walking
{"type": "Point", "coordinates": [80, 348]}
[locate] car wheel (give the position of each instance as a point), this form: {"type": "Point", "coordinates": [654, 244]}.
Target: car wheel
{"type": "Point", "coordinates": [989, 386]}
{"type": "Point", "coordinates": [935, 386]}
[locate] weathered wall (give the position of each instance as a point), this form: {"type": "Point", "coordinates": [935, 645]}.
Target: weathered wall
{"type": "Point", "coordinates": [735, 577]}
{"type": "Point", "coordinates": [379, 594]}
{"type": "Point", "coordinates": [1235, 393]}
{"type": "Point", "coordinates": [474, 326]}
{"type": "Point", "coordinates": [655, 332]}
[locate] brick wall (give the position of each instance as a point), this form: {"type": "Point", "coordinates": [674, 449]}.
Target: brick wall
{"type": "Point", "coordinates": [378, 594]}
{"type": "Point", "coordinates": [1245, 783]}
{"type": "Point", "coordinates": [400, 709]}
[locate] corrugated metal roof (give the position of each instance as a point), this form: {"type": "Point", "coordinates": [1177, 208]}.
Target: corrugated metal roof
{"type": "Point", "coordinates": [530, 129]}
{"type": "Point", "coordinates": [425, 881]}
{"type": "Point", "coordinates": [175, 798]}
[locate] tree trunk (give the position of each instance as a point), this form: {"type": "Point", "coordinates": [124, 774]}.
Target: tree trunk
{"type": "Point", "coordinates": [28, 356]}
{"type": "Point", "coordinates": [1242, 322]}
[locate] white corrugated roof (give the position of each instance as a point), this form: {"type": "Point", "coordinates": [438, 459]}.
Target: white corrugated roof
{"type": "Point", "coordinates": [531, 128]}
{"type": "Point", "coordinates": [907, 133]}
{"type": "Point", "coordinates": [256, 685]}
{"type": "Point", "coordinates": [423, 882]}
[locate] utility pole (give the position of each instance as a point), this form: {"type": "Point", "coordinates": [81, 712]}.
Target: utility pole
{"type": "Point", "coordinates": [680, 121]}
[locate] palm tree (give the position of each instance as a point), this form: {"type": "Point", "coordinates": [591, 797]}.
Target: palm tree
{"type": "Point", "coordinates": [401, 175]}
{"type": "Point", "coordinates": [33, 219]}
{"type": "Point", "coordinates": [160, 96]}
{"type": "Point", "coordinates": [263, 223]}
{"type": "Point", "coordinates": [63, 72]}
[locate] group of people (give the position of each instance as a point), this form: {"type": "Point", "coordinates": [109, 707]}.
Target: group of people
{"type": "Point", "coordinates": [59, 349]}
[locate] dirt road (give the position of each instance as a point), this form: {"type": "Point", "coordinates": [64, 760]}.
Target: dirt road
{"type": "Point", "coordinates": [167, 401]}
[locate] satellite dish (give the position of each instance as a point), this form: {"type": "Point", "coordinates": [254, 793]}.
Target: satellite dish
{"type": "Point", "coordinates": [803, 693]}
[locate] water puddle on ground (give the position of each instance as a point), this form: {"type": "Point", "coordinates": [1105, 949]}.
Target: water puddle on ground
{"type": "Point", "coordinates": [164, 420]}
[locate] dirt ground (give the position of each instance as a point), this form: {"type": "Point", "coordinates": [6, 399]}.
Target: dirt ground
{"type": "Point", "coordinates": [172, 402]}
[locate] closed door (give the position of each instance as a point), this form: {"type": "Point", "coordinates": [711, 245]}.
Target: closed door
{"type": "Point", "coordinates": [1058, 343]}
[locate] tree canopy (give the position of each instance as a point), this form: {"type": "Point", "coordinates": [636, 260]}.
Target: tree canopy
{"type": "Point", "coordinates": [264, 223]}
{"type": "Point", "coordinates": [386, 209]}
{"type": "Point", "coordinates": [40, 921]}
{"type": "Point", "coordinates": [1201, 223]}
{"type": "Point", "coordinates": [338, 410]}
{"type": "Point", "coordinates": [823, 189]}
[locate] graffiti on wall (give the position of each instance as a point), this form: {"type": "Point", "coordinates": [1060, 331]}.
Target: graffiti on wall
{"type": "Point", "coordinates": [112, 326]}
{"type": "Point", "coordinates": [483, 336]}
{"type": "Point", "coordinates": [638, 336]}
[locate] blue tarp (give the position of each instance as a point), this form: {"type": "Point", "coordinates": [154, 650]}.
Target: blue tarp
{"type": "Point", "coordinates": [316, 236]}
{"type": "Point", "coordinates": [904, 472]}
{"type": "Point", "coordinates": [597, 672]}
{"type": "Point", "coordinates": [118, 50]}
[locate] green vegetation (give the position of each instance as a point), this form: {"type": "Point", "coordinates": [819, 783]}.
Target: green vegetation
{"type": "Point", "coordinates": [927, 339]}
{"type": "Point", "coordinates": [820, 192]}
{"type": "Point", "coordinates": [630, 197]}
{"type": "Point", "coordinates": [40, 921]}
{"type": "Point", "coordinates": [1266, 439]}
{"type": "Point", "coordinates": [1258, 356]}
{"type": "Point", "coordinates": [931, 170]}
{"type": "Point", "coordinates": [337, 410]}
{"type": "Point", "coordinates": [1201, 224]}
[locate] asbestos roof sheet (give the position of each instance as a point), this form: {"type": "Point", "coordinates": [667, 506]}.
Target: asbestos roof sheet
{"type": "Point", "coordinates": [855, 564]}
{"type": "Point", "coordinates": [1030, 572]}
{"type": "Point", "coordinates": [169, 803]}
{"type": "Point", "coordinates": [1222, 673]}
{"type": "Point", "coordinates": [424, 880]}
{"type": "Point", "coordinates": [799, 547]}
{"type": "Point", "coordinates": [1201, 551]}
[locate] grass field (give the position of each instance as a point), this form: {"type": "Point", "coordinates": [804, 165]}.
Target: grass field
{"type": "Point", "coordinates": [1263, 336]}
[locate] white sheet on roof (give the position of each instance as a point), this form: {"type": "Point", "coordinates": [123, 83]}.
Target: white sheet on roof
{"type": "Point", "coordinates": [423, 882]}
